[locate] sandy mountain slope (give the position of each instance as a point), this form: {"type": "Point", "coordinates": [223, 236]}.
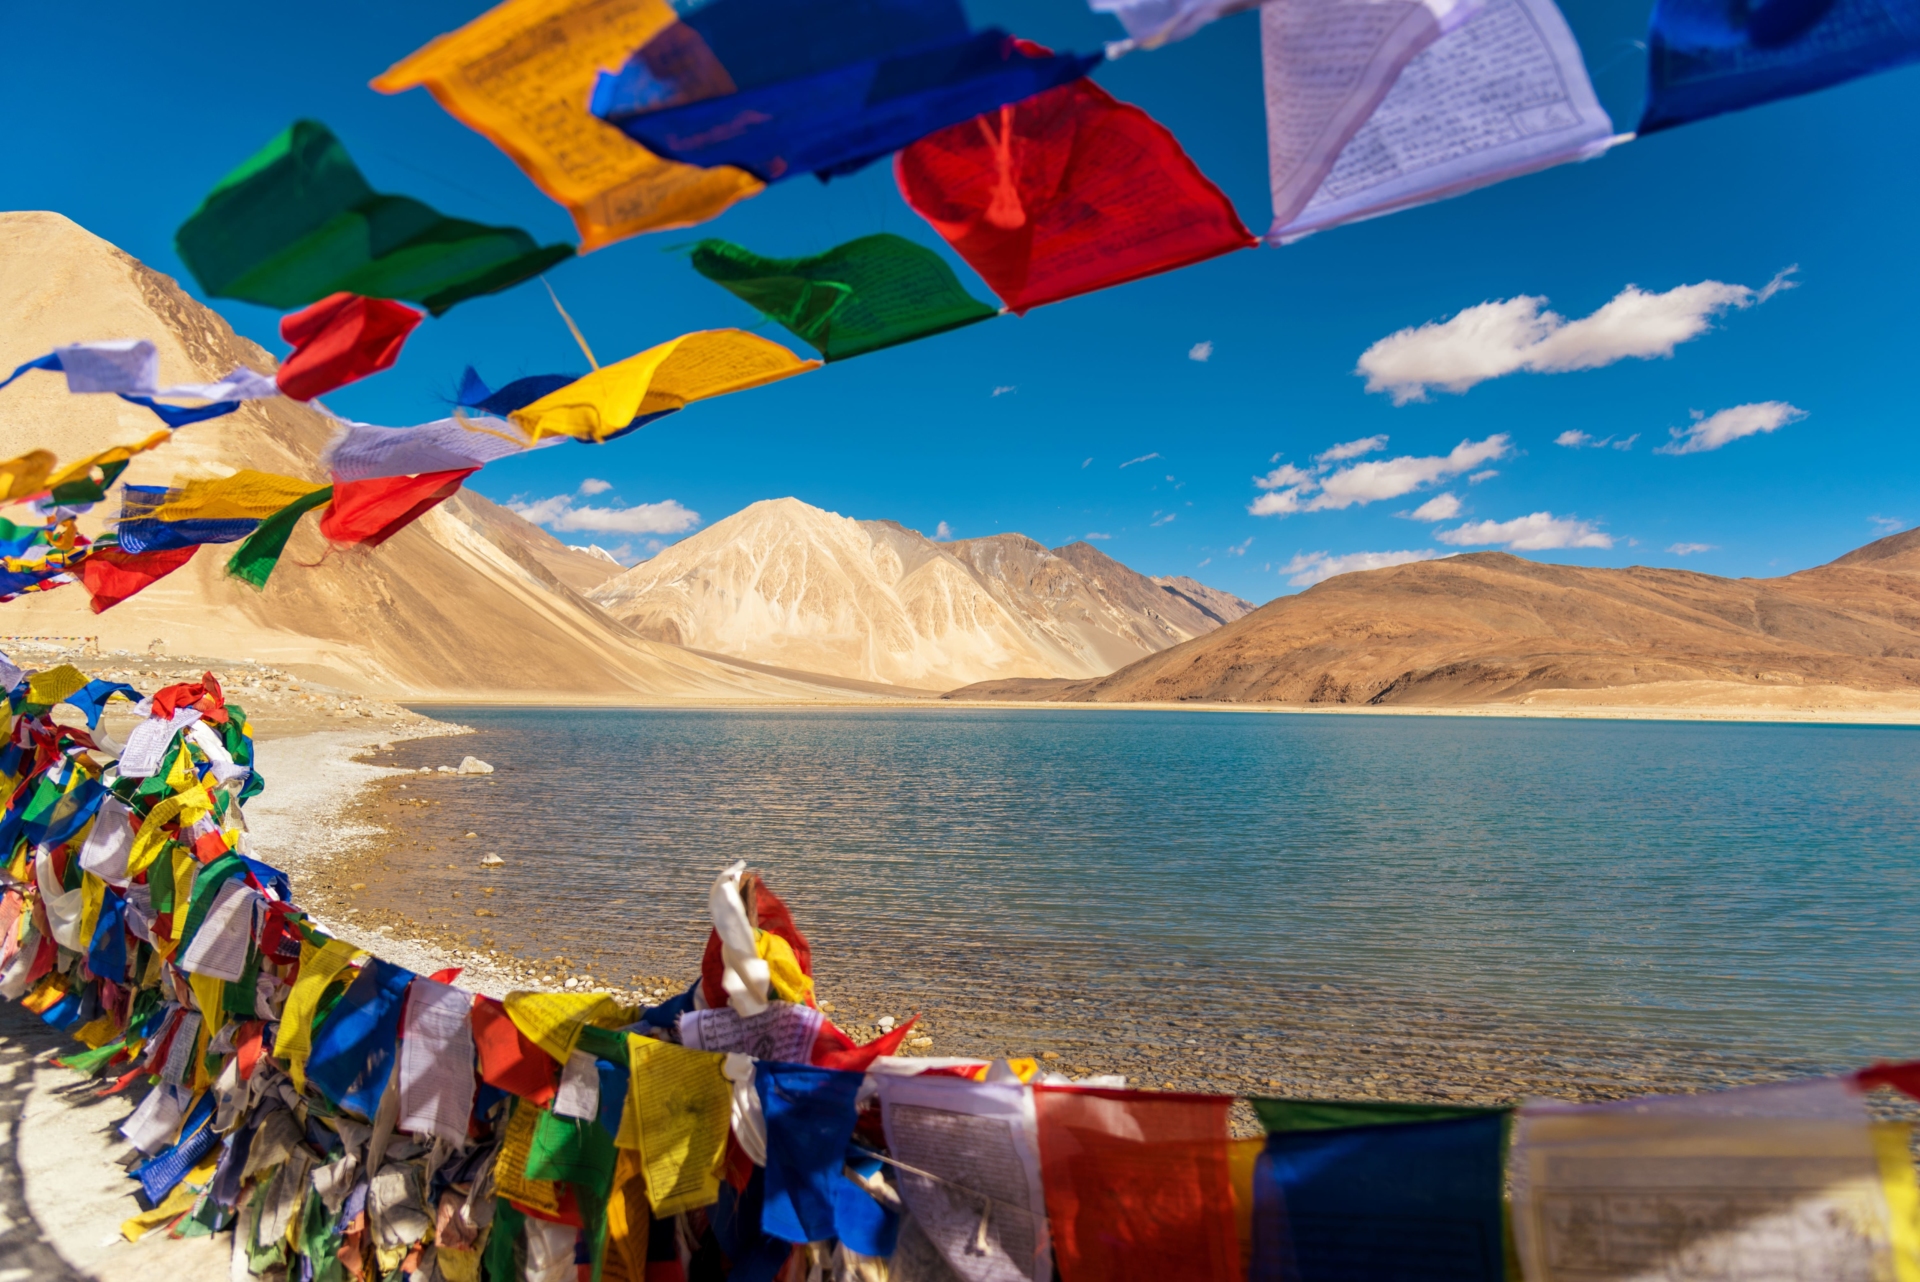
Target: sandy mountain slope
{"type": "Point", "coordinates": [470, 601]}
{"type": "Point", "coordinates": [1490, 627]}
{"type": "Point", "coordinates": [1221, 607]}
{"type": "Point", "coordinates": [789, 585]}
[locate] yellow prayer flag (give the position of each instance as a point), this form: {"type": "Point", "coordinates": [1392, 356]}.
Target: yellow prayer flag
{"type": "Point", "coordinates": [510, 1168]}
{"type": "Point", "coordinates": [693, 367]}
{"type": "Point", "coordinates": [552, 1021]}
{"type": "Point", "coordinates": [1892, 1148]}
{"type": "Point", "coordinates": [318, 968]}
{"type": "Point", "coordinates": [789, 982]}
{"type": "Point", "coordinates": [83, 470]}
{"type": "Point", "coordinates": [521, 75]}
{"type": "Point", "coordinates": [55, 684]}
{"type": "Point", "coordinates": [26, 475]}
{"type": "Point", "coordinates": [1241, 1156]}
{"type": "Point", "coordinates": [96, 1033]}
{"type": "Point", "coordinates": [93, 897]}
{"type": "Point", "coordinates": [209, 994]}
{"type": "Point", "coordinates": [678, 1110]}
{"type": "Point", "coordinates": [247, 495]}
{"type": "Point", "coordinates": [177, 1203]}
{"type": "Point", "coordinates": [184, 808]}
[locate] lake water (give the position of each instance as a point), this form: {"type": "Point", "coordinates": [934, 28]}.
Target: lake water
{"type": "Point", "coordinates": [1330, 904]}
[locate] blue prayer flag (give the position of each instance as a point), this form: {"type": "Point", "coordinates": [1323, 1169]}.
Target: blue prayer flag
{"type": "Point", "coordinates": [474, 394]}
{"type": "Point", "coordinates": [353, 1048]}
{"type": "Point", "coordinates": [107, 951]}
{"type": "Point", "coordinates": [1705, 57]}
{"type": "Point", "coordinates": [159, 1173]}
{"type": "Point", "coordinates": [810, 1115]}
{"type": "Point", "coordinates": [92, 697]}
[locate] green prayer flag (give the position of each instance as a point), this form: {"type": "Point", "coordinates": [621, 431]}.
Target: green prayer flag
{"type": "Point", "coordinates": [498, 1262]}
{"type": "Point", "coordinates": [297, 222]}
{"type": "Point", "coordinates": [206, 885]}
{"type": "Point", "coordinates": [577, 1151]}
{"type": "Point", "coordinates": [253, 561]}
{"type": "Point", "coordinates": [1329, 1115]}
{"type": "Point", "coordinates": [855, 298]}
{"type": "Point", "coordinates": [94, 1061]}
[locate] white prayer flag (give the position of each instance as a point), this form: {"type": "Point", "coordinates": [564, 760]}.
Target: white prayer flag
{"type": "Point", "coordinates": [436, 1062]}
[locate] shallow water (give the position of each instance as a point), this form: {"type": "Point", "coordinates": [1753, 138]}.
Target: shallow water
{"type": "Point", "coordinates": [1441, 906]}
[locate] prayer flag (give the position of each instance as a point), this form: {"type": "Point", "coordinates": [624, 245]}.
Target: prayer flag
{"type": "Point", "coordinates": [223, 510]}
{"type": "Point", "coordinates": [837, 120]}
{"type": "Point", "coordinates": [340, 339]}
{"type": "Point", "coordinates": [1374, 107]}
{"type": "Point", "coordinates": [353, 1047]}
{"type": "Point", "coordinates": [1731, 1184]}
{"type": "Point", "coordinates": [625, 396]}
{"type": "Point", "coordinates": [520, 76]}
{"type": "Point", "coordinates": [436, 1062]}
{"type": "Point", "coordinates": [297, 222]}
{"type": "Point", "coordinates": [679, 1108]}
{"type": "Point", "coordinates": [371, 512]}
{"type": "Point", "coordinates": [856, 298]}
{"type": "Point", "coordinates": [1373, 1193]}
{"type": "Point", "coordinates": [1138, 1185]}
{"type": "Point", "coordinates": [1065, 193]}
{"type": "Point", "coordinates": [320, 965]}
{"type": "Point", "coordinates": [88, 480]}
{"type": "Point", "coordinates": [363, 452]}
{"type": "Point", "coordinates": [507, 1059]}
{"type": "Point", "coordinates": [253, 561]}
{"type": "Point", "coordinates": [1705, 57]}
{"type": "Point", "coordinates": [1152, 23]}
{"type": "Point", "coordinates": [810, 1114]}
{"type": "Point", "coordinates": [474, 394]}
{"type": "Point", "coordinates": [111, 574]}
{"type": "Point", "coordinates": [27, 475]}
{"type": "Point", "coordinates": [553, 1021]}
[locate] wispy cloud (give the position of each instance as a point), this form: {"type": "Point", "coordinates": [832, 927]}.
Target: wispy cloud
{"type": "Point", "coordinates": [1291, 489]}
{"type": "Point", "coordinates": [1005, 389]}
{"type": "Point", "coordinates": [1711, 431]}
{"type": "Point", "coordinates": [594, 485]}
{"type": "Point", "coordinates": [1536, 532]}
{"type": "Point", "coordinates": [1441, 507]}
{"type": "Point", "coordinates": [1162, 520]}
{"type": "Point", "coordinates": [1690, 549]}
{"type": "Point", "coordinates": [1309, 568]}
{"type": "Point", "coordinates": [1142, 459]}
{"type": "Point", "coordinates": [1887, 524]}
{"type": "Point", "coordinates": [1505, 336]}
{"type": "Point", "coordinates": [1095, 534]}
{"type": "Point", "coordinates": [1202, 351]}
{"type": "Point", "coordinates": [559, 513]}
{"type": "Point", "coordinates": [1352, 449]}
{"type": "Point", "coordinates": [1581, 441]}
{"type": "Point", "coordinates": [942, 532]}
{"type": "Point", "coordinates": [1087, 463]}
{"type": "Point", "coordinates": [1240, 548]}
{"type": "Point", "coordinates": [1487, 475]}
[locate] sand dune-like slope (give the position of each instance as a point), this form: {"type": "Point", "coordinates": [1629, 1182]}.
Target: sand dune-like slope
{"type": "Point", "coordinates": [1489, 627]}
{"type": "Point", "coordinates": [786, 584]}
{"type": "Point", "coordinates": [470, 601]}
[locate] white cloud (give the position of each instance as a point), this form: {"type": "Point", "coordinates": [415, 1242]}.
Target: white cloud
{"type": "Point", "coordinates": [1240, 549]}
{"type": "Point", "coordinates": [1441, 507]}
{"type": "Point", "coordinates": [1201, 351]}
{"type": "Point", "coordinates": [1626, 444]}
{"type": "Point", "coordinates": [1581, 441]}
{"type": "Point", "coordinates": [1710, 432]}
{"type": "Point", "coordinates": [1319, 490]}
{"type": "Point", "coordinates": [1352, 449]}
{"type": "Point", "coordinates": [1505, 336]}
{"type": "Point", "coordinates": [642, 518]}
{"type": "Point", "coordinates": [1095, 534]}
{"type": "Point", "coordinates": [593, 485]}
{"type": "Point", "coordinates": [1162, 521]}
{"type": "Point", "coordinates": [1086, 464]}
{"type": "Point", "coordinates": [1004, 389]}
{"type": "Point", "coordinates": [1309, 568]}
{"type": "Point", "coordinates": [1536, 532]}
{"type": "Point", "coordinates": [1574, 440]}
{"type": "Point", "coordinates": [1142, 459]}
{"type": "Point", "coordinates": [942, 532]}
{"type": "Point", "coordinates": [1487, 475]}
{"type": "Point", "coordinates": [1887, 524]}
{"type": "Point", "coordinates": [1689, 549]}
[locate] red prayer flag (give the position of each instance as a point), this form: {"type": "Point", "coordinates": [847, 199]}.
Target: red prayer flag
{"type": "Point", "coordinates": [507, 1059]}
{"type": "Point", "coordinates": [111, 575]}
{"type": "Point", "coordinates": [1137, 1185]}
{"type": "Point", "coordinates": [834, 1049]}
{"type": "Point", "coordinates": [373, 511]}
{"type": "Point", "coordinates": [1904, 1078]}
{"type": "Point", "coordinates": [1064, 193]}
{"type": "Point", "coordinates": [340, 339]}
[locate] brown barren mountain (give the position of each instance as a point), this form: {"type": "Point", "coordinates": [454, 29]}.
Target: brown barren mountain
{"type": "Point", "coordinates": [1493, 628]}
{"type": "Point", "coordinates": [468, 602]}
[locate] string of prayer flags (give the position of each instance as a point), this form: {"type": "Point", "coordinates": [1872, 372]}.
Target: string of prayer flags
{"type": "Point", "coordinates": [1373, 108]}
{"type": "Point", "coordinates": [371, 512]}
{"type": "Point", "coordinates": [625, 396]}
{"type": "Point", "coordinates": [130, 369]}
{"type": "Point", "coordinates": [254, 560]}
{"type": "Point", "coordinates": [856, 298]}
{"type": "Point", "coordinates": [1138, 1185]}
{"type": "Point", "coordinates": [839, 120]}
{"type": "Point", "coordinates": [1705, 57]}
{"type": "Point", "coordinates": [520, 76]}
{"type": "Point", "coordinates": [339, 340]}
{"type": "Point", "coordinates": [88, 480]}
{"type": "Point", "coordinates": [1368, 1192]}
{"type": "Point", "coordinates": [1152, 23]}
{"type": "Point", "coordinates": [362, 452]}
{"type": "Point", "coordinates": [474, 394]}
{"type": "Point", "coordinates": [223, 510]}
{"type": "Point", "coordinates": [297, 222]}
{"type": "Point", "coordinates": [1067, 192]}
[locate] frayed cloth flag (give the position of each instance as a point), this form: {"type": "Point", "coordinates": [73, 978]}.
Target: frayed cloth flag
{"type": "Point", "coordinates": [224, 510]}
{"type": "Point", "coordinates": [809, 1114]}
{"type": "Point", "coordinates": [297, 222]}
{"type": "Point", "coordinates": [856, 298]}
{"type": "Point", "coordinates": [1706, 57]}
{"type": "Point", "coordinates": [254, 560]}
{"type": "Point", "coordinates": [622, 397]}
{"type": "Point", "coordinates": [354, 1046]}
{"type": "Point", "coordinates": [474, 394]}
{"type": "Point", "coordinates": [520, 76]}
{"type": "Point", "coordinates": [1138, 1185]}
{"type": "Point", "coordinates": [111, 574]}
{"type": "Point", "coordinates": [1362, 1192]}
{"type": "Point", "coordinates": [130, 369]}
{"type": "Point", "coordinates": [339, 340]}
{"type": "Point", "coordinates": [371, 512]}
{"type": "Point", "coordinates": [1377, 107]}
{"type": "Point", "coordinates": [363, 452]}
{"type": "Point", "coordinates": [1068, 192]}
{"type": "Point", "coordinates": [1152, 23]}
{"type": "Point", "coordinates": [840, 120]}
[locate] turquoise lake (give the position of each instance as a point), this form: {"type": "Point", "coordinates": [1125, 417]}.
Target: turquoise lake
{"type": "Point", "coordinates": [1452, 906]}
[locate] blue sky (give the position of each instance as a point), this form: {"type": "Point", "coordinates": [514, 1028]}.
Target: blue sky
{"type": "Point", "coordinates": [121, 116]}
